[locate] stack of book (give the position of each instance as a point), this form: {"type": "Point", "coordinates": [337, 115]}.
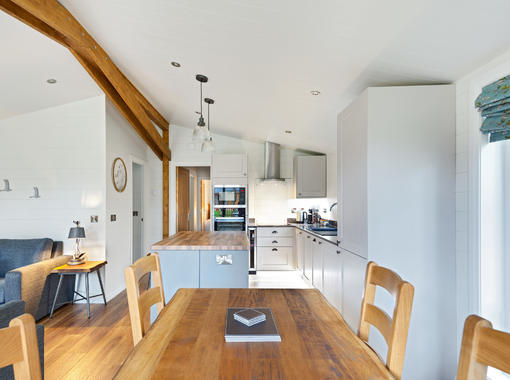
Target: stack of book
{"type": "Point", "coordinates": [248, 325]}
{"type": "Point", "coordinates": [249, 317]}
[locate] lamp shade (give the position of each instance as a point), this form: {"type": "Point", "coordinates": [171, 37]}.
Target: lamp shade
{"type": "Point", "coordinates": [76, 233]}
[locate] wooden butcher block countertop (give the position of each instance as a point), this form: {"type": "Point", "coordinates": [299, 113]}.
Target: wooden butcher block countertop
{"type": "Point", "coordinates": [204, 240]}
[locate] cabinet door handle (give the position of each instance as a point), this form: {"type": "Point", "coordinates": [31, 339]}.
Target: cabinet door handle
{"type": "Point", "coordinates": [301, 233]}
{"type": "Point", "coordinates": [275, 232]}
{"type": "Point", "coordinates": [308, 236]}
{"type": "Point", "coordinates": [338, 252]}
{"type": "Point", "coordinates": [275, 242]}
{"type": "Point", "coordinates": [275, 249]}
{"type": "Point", "coordinates": [314, 239]}
{"type": "Point", "coordinates": [320, 242]}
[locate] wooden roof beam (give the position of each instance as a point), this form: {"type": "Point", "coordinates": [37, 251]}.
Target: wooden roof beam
{"type": "Point", "coordinates": [52, 19]}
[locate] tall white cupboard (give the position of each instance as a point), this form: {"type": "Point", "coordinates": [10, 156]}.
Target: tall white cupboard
{"type": "Point", "coordinates": [396, 193]}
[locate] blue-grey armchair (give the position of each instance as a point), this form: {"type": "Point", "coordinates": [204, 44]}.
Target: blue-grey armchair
{"type": "Point", "coordinates": [25, 274]}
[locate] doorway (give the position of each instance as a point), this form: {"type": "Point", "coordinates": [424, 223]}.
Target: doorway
{"type": "Point", "coordinates": [137, 170]}
{"type": "Point", "coordinates": [193, 198]}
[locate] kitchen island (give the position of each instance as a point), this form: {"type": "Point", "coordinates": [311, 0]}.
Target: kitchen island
{"type": "Point", "coordinates": [203, 259]}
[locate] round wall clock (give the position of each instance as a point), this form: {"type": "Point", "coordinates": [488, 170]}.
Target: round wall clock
{"type": "Point", "coordinates": [119, 174]}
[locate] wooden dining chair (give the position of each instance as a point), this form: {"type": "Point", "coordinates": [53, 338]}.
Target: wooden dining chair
{"type": "Point", "coordinates": [394, 330]}
{"type": "Point", "coordinates": [482, 347]}
{"type": "Point", "coordinates": [140, 295]}
{"type": "Point", "coordinates": [19, 348]}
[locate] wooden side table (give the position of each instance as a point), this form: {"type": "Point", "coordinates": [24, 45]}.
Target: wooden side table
{"type": "Point", "coordinates": [85, 268]}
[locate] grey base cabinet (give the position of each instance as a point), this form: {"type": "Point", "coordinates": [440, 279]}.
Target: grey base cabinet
{"type": "Point", "coordinates": [354, 270]}
{"type": "Point", "coordinates": [203, 269]}
{"type": "Point", "coordinates": [179, 269]}
{"type": "Point", "coordinates": [222, 269]}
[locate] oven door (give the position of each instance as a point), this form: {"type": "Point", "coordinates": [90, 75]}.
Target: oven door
{"type": "Point", "coordinates": [225, 195]}
{"type": "Point", "coordinates": [229, 224]}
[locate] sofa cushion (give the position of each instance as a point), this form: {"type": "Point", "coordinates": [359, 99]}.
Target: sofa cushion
{"type": "Point", "coordinates": [16, 253]}
{"type": "Point", "coordinates": [2, 290]}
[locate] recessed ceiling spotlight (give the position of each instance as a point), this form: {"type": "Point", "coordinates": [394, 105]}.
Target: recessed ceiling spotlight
{"type": "Point", "coordinates": [289, 132]}
{"type": "Point", "coordinates": [175, 64]}
{"type": "Point", "coordinates": [315, 92]}
{"type": "Point", "coordinates": [51, 81]}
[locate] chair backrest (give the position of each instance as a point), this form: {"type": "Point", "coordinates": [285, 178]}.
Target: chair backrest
{"type": "Point", "coordinates": [139, 299]}
{"type": "Point", "coordinates": [393, 329]}
{"type": "Point", "coordinates": [19, 348]}
{"type": "Point", "coordinates": [482, 347]}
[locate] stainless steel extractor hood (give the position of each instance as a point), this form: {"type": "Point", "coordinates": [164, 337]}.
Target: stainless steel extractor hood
{"type": "Point", "coordinates": [272, 162]}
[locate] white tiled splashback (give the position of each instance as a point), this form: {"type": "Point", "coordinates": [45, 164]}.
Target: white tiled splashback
{"type": "Point", "coordinates": [274, 200]}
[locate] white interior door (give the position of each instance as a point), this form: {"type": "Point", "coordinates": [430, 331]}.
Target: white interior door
{"type": "Point", "coordinates": [137, 244]}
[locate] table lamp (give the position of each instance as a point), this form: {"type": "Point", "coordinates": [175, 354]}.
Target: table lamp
{"type": "Point", "coordinates": [77, 233]}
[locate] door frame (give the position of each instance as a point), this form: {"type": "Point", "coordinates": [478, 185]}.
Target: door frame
{"type": "Point", "coordinates": [173, 188]}
{"type": "Point", "coordinates": [143, 163]}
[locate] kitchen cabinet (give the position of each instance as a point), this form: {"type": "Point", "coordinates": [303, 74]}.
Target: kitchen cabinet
{"type": "Point", "coordinates": [352, 178]}
{"type": "Point", "coordinates": [300, 248]}
{"type": "Point", "coordinates": [353, 286]}
{"type": "Point", "coordinates": [332, 275]}
{"type": "Point", "coordinates": [317, 264]}
{"type": "Point", "coordinates": [396, 194]}
{"type": "Point", "coordinates": [310, 176]}
{"type": "Point", "coordinates": [229, 166]}
{"type": "Point", "coordinates": [275, 248]}
{"type": "Point", "coordinates": [230, 274]}
{"type": "Point", "coordinates": [308, 269]}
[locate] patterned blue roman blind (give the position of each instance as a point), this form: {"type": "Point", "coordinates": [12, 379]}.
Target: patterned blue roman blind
{"type": "Point", "coordinates": [494, 105]}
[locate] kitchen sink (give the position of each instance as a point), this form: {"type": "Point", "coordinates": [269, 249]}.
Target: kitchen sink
{"type": "Point", "coordinates": [324, 231]}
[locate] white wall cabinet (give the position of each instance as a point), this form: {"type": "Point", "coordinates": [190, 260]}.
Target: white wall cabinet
{"type": "Point", "coordinates": [396, 193]}
{"type": "Point", "coordinates": [229, 166]}
{"type": "Point", "coordinates": [310, 176]}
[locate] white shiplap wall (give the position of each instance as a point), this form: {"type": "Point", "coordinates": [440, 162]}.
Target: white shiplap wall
{"type": "Point", "coordinates": [62, 151]}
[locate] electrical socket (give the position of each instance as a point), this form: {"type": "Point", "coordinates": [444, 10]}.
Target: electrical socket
{"type": "Point", "coordinates": [94, 219]}
{"type": "Point", "coordinates": [113, 218]}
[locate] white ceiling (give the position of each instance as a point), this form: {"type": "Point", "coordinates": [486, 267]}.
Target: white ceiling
{"type": "Point", "coordinates": [28, 59]}
{"type": "Point", "coordinates": [264, 57]}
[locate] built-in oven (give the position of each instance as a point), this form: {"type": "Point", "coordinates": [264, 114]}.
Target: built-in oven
{"type": "Point", "coordinates": [229, 208]}
{"type": "Point", "coordinates": [229, 224]}
{"type": "Point", "coordinates": [229, 195]}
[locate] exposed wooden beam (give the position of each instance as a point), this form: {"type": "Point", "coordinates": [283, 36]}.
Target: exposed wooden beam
{"type": "Point", "coordinates": [117, 100]}
{"type": "Point", "coordinates": [52, 19]}
{"type": "Point", "coordinates": [166, 191]}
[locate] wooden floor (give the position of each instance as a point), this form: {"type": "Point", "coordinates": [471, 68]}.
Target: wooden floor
{"type": "Point", "coordinates": [80, 348]}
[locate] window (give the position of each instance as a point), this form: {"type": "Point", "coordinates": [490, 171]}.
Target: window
{"type": "Point", "coordinates": [495, 238]}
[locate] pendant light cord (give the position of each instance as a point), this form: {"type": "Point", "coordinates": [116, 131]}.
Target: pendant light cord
{"type": "Point", "coordinates": [201, 99]}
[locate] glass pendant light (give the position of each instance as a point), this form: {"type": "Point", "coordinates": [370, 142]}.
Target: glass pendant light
{"type": "Point", "coordinates": [199, 130]}
{"type": "Point", "coordinates": [208, 144]}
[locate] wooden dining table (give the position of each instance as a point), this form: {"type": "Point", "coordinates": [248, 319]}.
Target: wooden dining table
{"type": "Point", "coordinates": [187, 340]}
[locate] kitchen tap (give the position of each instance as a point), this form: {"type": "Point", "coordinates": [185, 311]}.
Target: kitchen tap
{"type": "Point", "coordinates": [333, 205]}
